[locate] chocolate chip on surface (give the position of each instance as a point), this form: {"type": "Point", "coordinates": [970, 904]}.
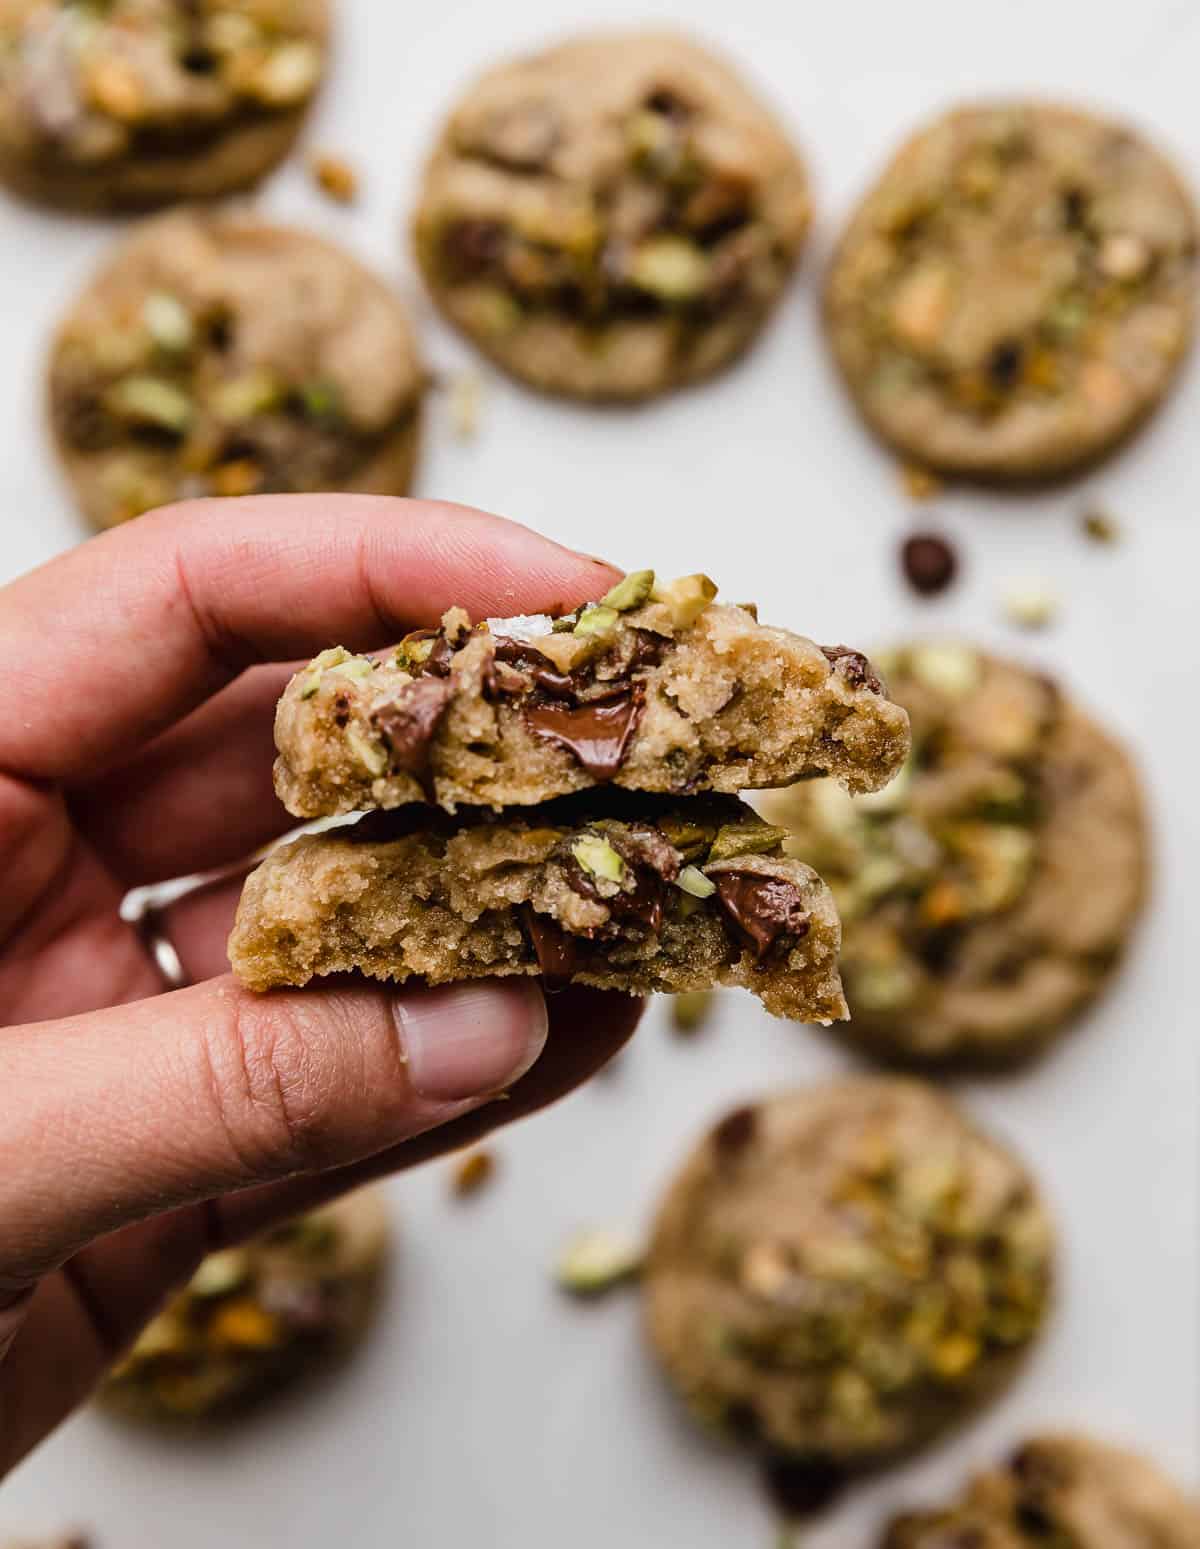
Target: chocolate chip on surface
{"type": "Point", "coordinates": [929, 563]}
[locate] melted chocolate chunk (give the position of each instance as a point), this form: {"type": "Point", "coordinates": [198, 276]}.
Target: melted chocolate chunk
{"type": "Point", "coordinates": [800, 1487]}
{"type": "Point", "coordinates": [647, 847]}
{"type": "Point", "coordinates": [410, 723]}
{"type": "Point", "coordinates": [598, 732]}
{"type": "Point", "coordinates": [736, 1130]}
{"type": "Point", "coordinates": [854, 666]}
{"type": "Point", "coordinates": [643, 903]}
{"type": "Point", "coordinates": [765, 911]}
{"type": "Point", "coordinates": [557, 952]}
{"type": "Point", "coordinates": [540, 668]}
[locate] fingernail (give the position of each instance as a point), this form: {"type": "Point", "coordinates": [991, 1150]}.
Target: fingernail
{"type": "Point", "coordinates": [471, 1040]}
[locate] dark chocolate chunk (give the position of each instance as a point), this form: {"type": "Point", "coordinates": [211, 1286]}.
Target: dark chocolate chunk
{"type": "Point", "coordinates": [557, 952]}
{"type": "Point", "coordinates": [516, 653]}
{"type": "Point", "coordinates": [647, 847]}
{"type": "Point", "coordinates": [929, 563]}
{"type": "Point", "coordinates": [410, 723]}
{"type": "Point", "coordinates": [736, 1130]}
{"type": "Point", "coordinates": [764, 910]}
{"type": "Point", "coordinates": [801, 1487]}
{"type": "Point", "coordinates": [853, 666]}
{"type": "Point", "coordinates": [597, 732]}
{"type": "Point", "coordinates": [643, 902]}
{"type": "Point", "coordinates": [472, 246]}
{"type": "Point", "coordinates": [1004, 365]}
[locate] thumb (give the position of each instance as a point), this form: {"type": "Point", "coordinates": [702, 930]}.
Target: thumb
{"type": "Point", "coordinates": [123, 1113]}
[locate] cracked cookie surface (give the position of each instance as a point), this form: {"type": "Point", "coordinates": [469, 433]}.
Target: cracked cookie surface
{"type": "Point", "coordinates": [254, 1318]}
{"type": "Point", "coordinates": [218, 355]}
{"type": "Point", "coordinates": [1016, 292]}
{"type": "Point", "coordinates": [839, 1274]}
{"type": "Point", "coordinates": [678, 695]}
{"type": "Point", "coordinates": [987, 894]}
{"type": "Point", "coordinates": [611, 218]}
{"type": "Point", "coordinates": [614, 890]}
{"type": "Point", "coordinates": [137, 103]}
{"type": "Point", "coordinates": [1062, 1490]}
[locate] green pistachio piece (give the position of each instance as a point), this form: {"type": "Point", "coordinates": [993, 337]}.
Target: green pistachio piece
{"type": "Point", "coordinates": [597, 1259]}
{"type": "Point", "coordinates": [566, 625]}
{"type": "Point", "coordinates": [691, 1009]}
{"type": "Point", "coordinates": [946, 668]}
{"type": "Point", "coordinates": [309, 682]}
{"type": "Point", "coordinates": [749, 838]}
{"type": "Point", "coordinates": [686, 598]}
{"type": "Point", "coordinates": [149, 400]}
{"type": "Point", "coordinates": [630, 593]}
{"type": "Point", "coordinates": [692, 880]}
{"type": "Point", "coordinates": [598, 858]}
{"type": "Point", "coordinates": [670, 268]}
{"type": "Point", "coordinates": [221, 1273]}
{"type": "Point", "coordinates": [359, 667]}
{"type": "Point", "coordinates": [692, 840]}
{"type": "Point", "coordinates": [168, 321]}
{"type": "Point", "coordinates": [597, 619]}
{"type": "Point", "coordinates": [243, 397]}
{"type": "Point", "coordinates": [368, 753]}
{"type": "Point", "coordinates": [321, 400]}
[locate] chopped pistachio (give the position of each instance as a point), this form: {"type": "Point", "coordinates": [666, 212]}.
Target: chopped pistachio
{"type": "Point", "coordinates": [288, 74]}
{"type": "Point", "coordinates": [597, 619]}
{"type": "Point", "coordinates": [597, 1259]}
{"type": "Point", "coordinates": [598, 858]}
{"type": "Point", "coordinates": [168, 321]}
{"type": "Point", "coordinates": [229, 32]}
{"type": "Point", "coordinates": [148, 400]}
{"type": "Point", "coordinates": [321, 400]}
{"type": "Point", "coordinates": [629, 593]}
{"type": "Point", "coordinates": [1030, 604]}
{"type": "Point", "coordinates": [686, 598]}
{"type": "Point", "coordinates": [242, 397]}
{"type": "Point", "coordinates": [1099, 526]}
{"type": "Point", "coordinates": [221, 1273]}
{"type": "Point", "coordinates": [947, 668]}
{"type": "Point", "coordinates": [309, 682]}
{"type": "Point", "coordinates": [671, 268]}
{"type": "Point", "coordinates": [359, 667]}
{"type": "Point", "coordinates": [691, 1009]}
{"type": "Point", "coordinates": [368, 753]}
{"type": "Point", "coordinates": [473, 1171]}
{"type": "Point", "coordinates": [692, 840]}
{"type": "Point", "coordinates": [746, 838]}
{"type": "Point", "coordinates": [334, 176]}
{"type": "Point", "coordinates": [412, 652]}
{"type": "Point", "coordinates": [692, 880]}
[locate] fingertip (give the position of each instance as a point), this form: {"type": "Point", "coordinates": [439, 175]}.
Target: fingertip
{"type": "Point", "coordinates": [470, 1040]}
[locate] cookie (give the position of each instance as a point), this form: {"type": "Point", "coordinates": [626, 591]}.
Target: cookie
{"type": "Point", "coordinates": [841, 1273]}
{"type": "Point", "coordinates": [654, 688]}
{"type": "Point", "coordinates": [619, 891]}
{"type": "Point", "coordinates": [138, 103]}
{"type": "Point", "coordinates": [1016, 292]}
{"type": "Point", "coordinates": [613, 218]}
{"type": "Point", "coordinates": [1059, 1490]}
{"type": "Point", "coordinates": [987, 895]}
{"type": "Point", "coordinates": [257, 1318]}
{"type": "Point", "coordinates": [218, 355]}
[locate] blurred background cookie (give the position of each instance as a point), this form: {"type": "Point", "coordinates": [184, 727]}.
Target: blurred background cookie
{"type": "Point", "coordinates": [612, 218]}
{"type": "Point", "coordinates": [255, 1318]}
{"type": "Point", "coordinates": [136, 103]}
{"type": "Point", "coordinates": [1016, 292]}
{"type": "Point", "coordinates": [987, 894]}
{"type": "Point", "coordinates": [840, 1273]}
{"type": "Point", "coordinates": [1067, 1490]}
{"type": "Point", "coordinates": [218, 355]}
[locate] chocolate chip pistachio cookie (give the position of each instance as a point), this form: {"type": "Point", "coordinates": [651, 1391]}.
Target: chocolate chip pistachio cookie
{"type": "Point", "coordinates": [613, 889]}
{"type": "Point", "coordinates": [1061, 1489]}
{"type": "Point", "coordinates": [135, 103]}
{"type": "Point", "coordinates": [656, 687]}
{"type": "Point", "coordinates": [987, 895]}
{"type": "Point", "coordinates": [256, 1318]}
{"type": "Point", "coordinates": [218, 355]}
{"type": "Point", "coordinates": [840, 1273]}
{"type": "Point", "coordinates": [612, 218]}
{"type": "Point", "coordinates": [1016, 292]}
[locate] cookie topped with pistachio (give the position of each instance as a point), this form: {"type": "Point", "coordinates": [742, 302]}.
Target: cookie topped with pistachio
{"type": "Point", "coordinates": [255, 1318]}
{"type": "Point", "coordinates": [615, 889]}
{"type": "Point", "coordinates": [1066, 1490]}
{"type": "Point", "coordinates": [612, 218]}
{"type": "Point", "coordinates": [989, 892]}
{"type": "Point", "coordinates": [1016, 292]}
{"type": "Point", "coordinates": [216, 355]}
{"type": "Point", "coordinates": [137, 103]}
{"type": "Point", "coordinates": [654, 687]}
{"type": "Point", "coordinates": [840, 1273]}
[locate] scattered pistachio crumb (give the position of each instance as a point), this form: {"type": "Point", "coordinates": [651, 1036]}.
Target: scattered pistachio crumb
{"type": "Point", "coordinates": [1099, 526]}
{"type": "Point", "coordinates": [629, 593]}
{"type": "Point", "coordinates": [1030, 604]}
{"type": "Point", "coordinates": [596, 1259]}
{"type": "Point", "coordinates": [691, 1009]}
{"type": "Point", "coordinates": [473, 1171]}
{"type": "Point", "coordinates": [465, 400]}
{"type": "Point", "coordinates": [334, 176]}
{"type": "Point", "coordinates": [692, 880]}
{"type": "Point", "coordinates": [919, 483]}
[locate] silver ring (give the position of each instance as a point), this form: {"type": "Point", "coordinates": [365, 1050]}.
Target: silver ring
{"type": "Point", "coordinates": [160, 947]}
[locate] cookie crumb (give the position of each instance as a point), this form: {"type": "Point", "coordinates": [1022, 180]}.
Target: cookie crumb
{"type": "Point", "coordinates": [919, 483]}
{"type": "Point", "coordinates": [473, 1173]}
{"type": "Point", "coordinates": [1099, 526]}
{"type": "Point", "coordinates": [929, 563]}
{"type": "Point", "coordinates": [690, 1010]}
{"type": "Point", "coordinates": [596, 1259]}
{"type": "Point", "coordinates": [466, 400]}
{"type": "Point", "coordinates": [334, 176]}
{"type": "Point", "coordinates": [1030, 605]}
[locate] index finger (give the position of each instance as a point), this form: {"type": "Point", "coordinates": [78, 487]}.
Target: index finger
{"type": "Point", "coordinates": [108, 644]}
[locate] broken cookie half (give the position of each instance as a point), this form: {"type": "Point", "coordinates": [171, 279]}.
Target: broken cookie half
{"type": "Point", "coordinates": [613, 889]}
{"type": "Point", "coordinates": [656, 687]}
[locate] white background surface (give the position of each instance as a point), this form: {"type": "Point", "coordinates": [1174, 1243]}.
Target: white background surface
{"type": "Point", "coordinates": [488, 1411]}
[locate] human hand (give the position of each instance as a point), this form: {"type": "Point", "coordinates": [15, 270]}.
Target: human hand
{"type": "Point", "coordinates": [145, 1129]}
